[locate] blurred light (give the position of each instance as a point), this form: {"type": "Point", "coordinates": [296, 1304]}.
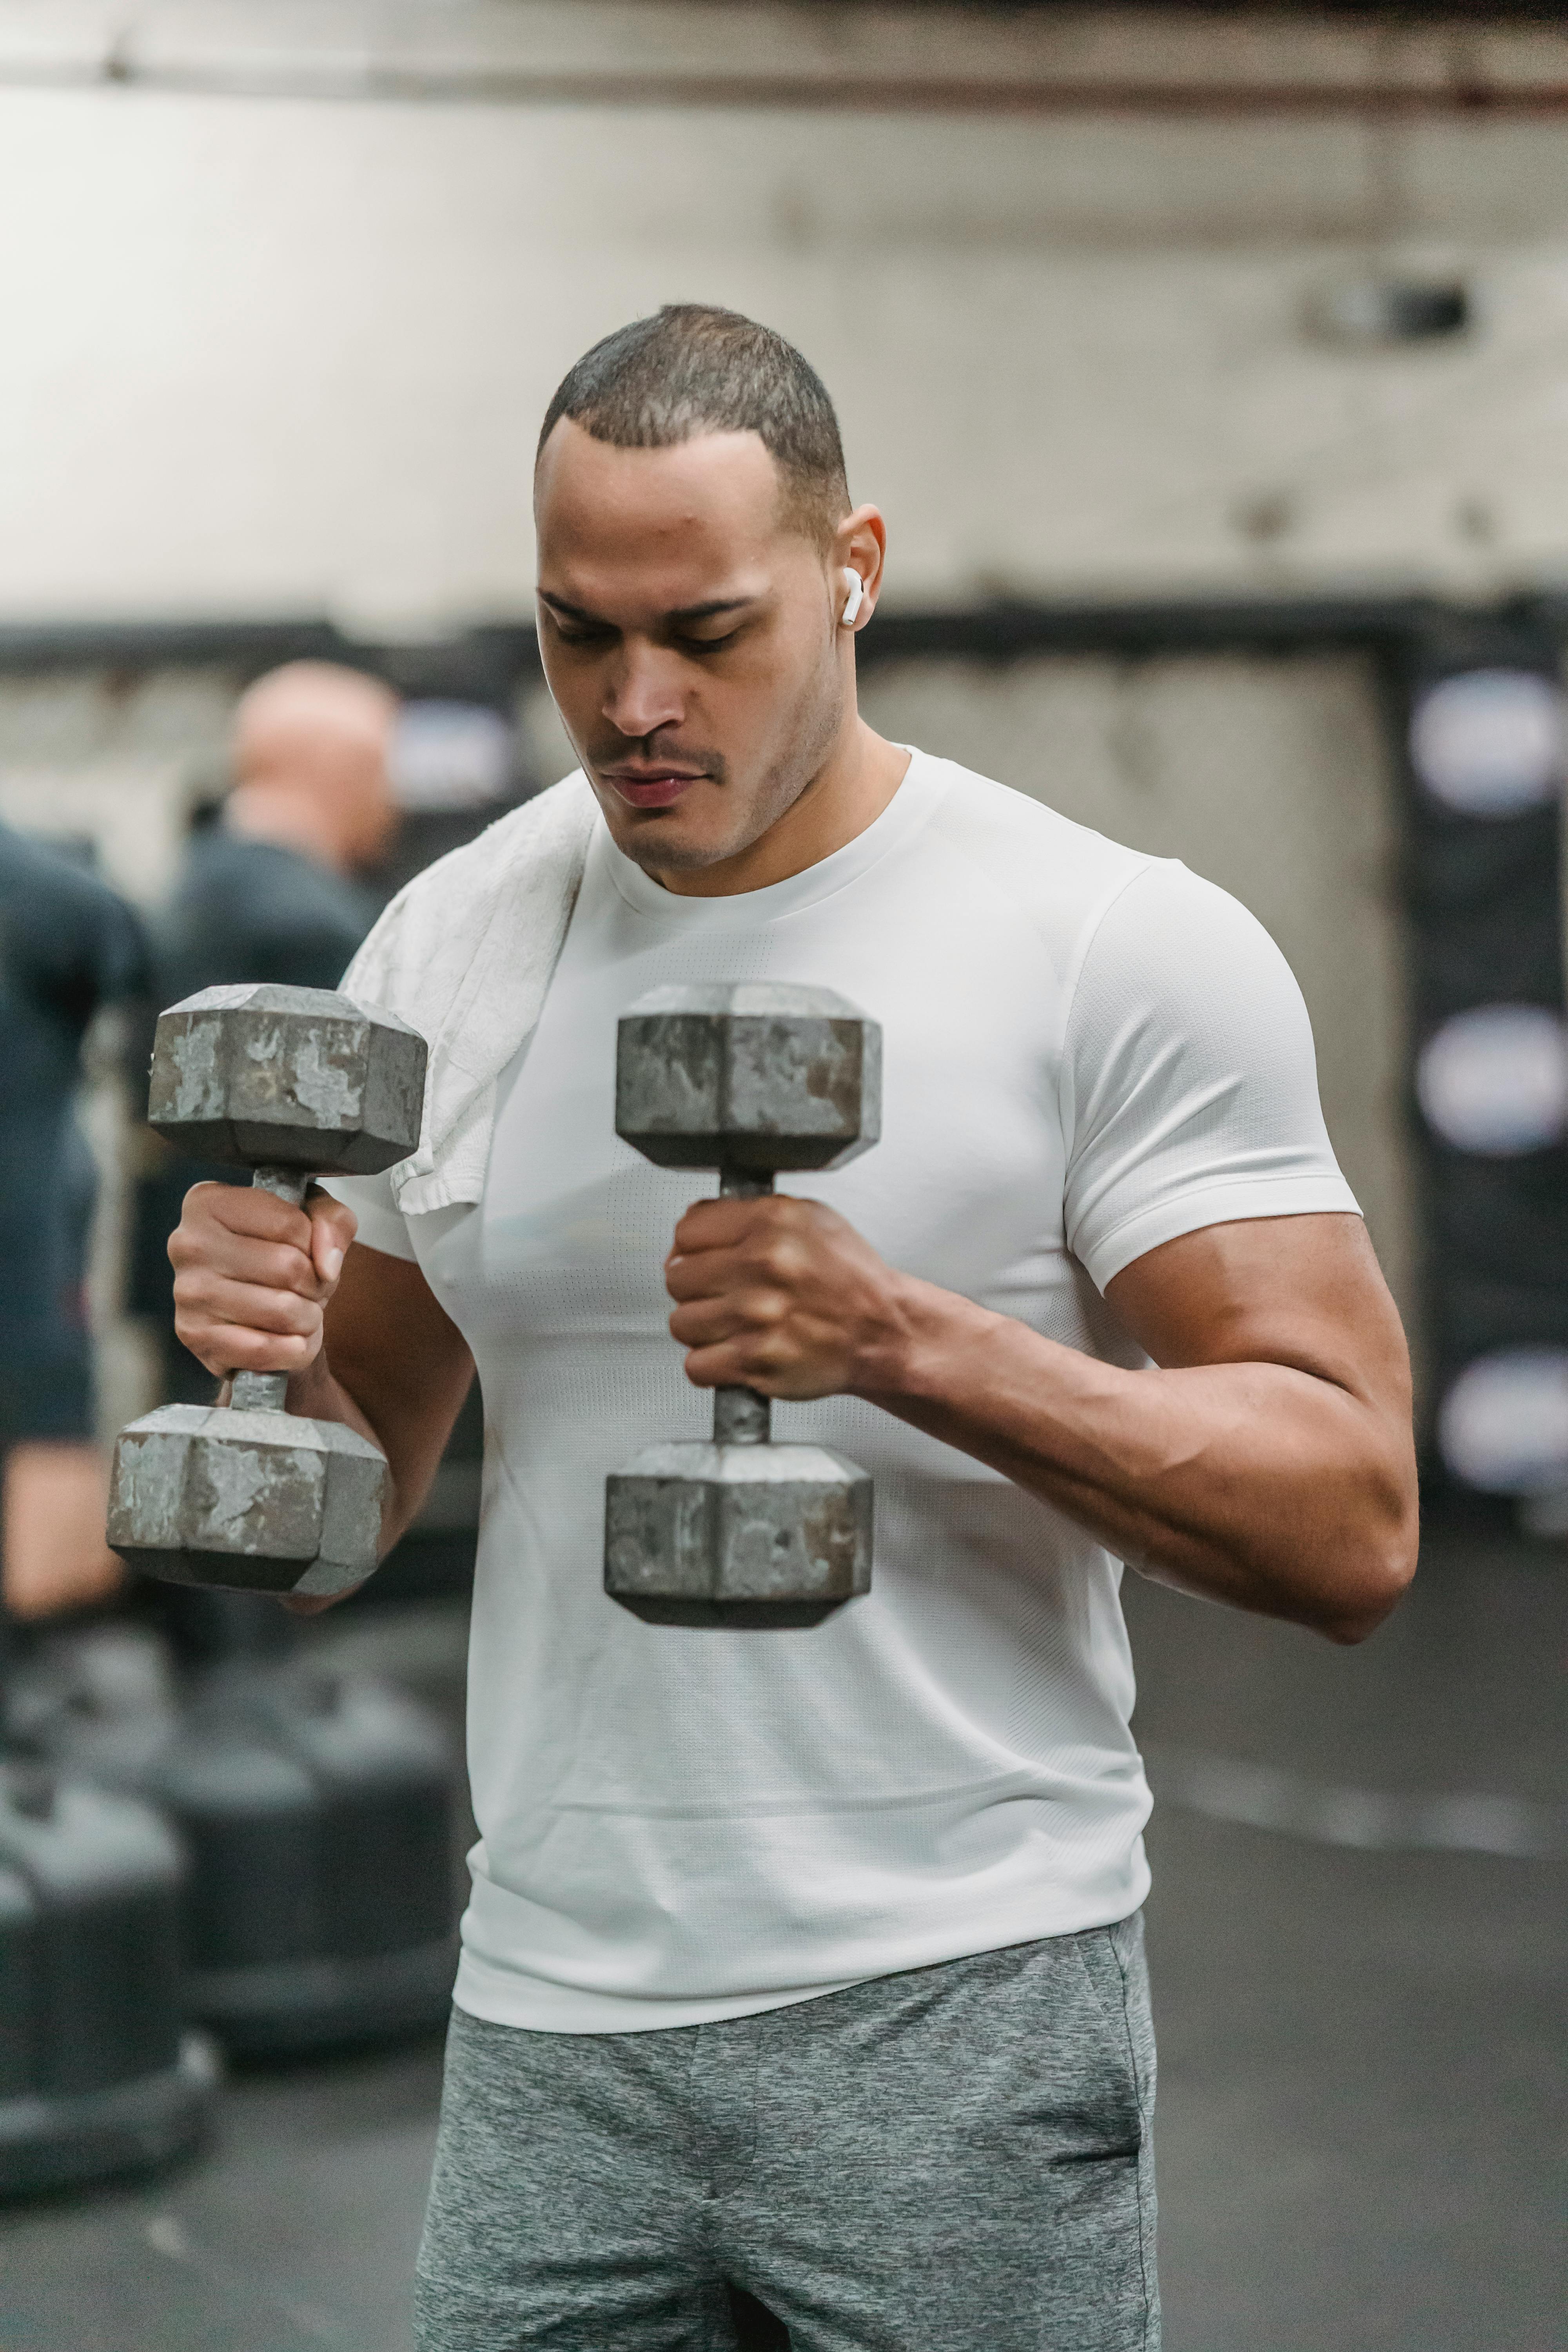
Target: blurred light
{"type": "Point", "coordinates": [450, 755]}
{"type": "Point", "coordinates": [1496, 1080]}
{"type": "Point", "coordinates": [1490, 741]}
{"type": "Point", "coordinates": [1503, 1425]}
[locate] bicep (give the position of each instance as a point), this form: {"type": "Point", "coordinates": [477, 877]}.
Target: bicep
{"type": "Point", "coordinates": [1305, 1292]}
{"type": "Point", "coordinates": [402, 1358]}
{"type": "Point", "coordinates": [1191, 1082]}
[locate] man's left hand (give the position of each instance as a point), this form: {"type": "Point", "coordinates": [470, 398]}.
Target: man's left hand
{"type": "Point", "coordinates": [782, 1295]}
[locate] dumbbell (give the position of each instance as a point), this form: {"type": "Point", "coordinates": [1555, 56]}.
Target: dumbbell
{"type": "Point", "coordinates": [752, 1079]}
{"type": "Point", "coordinates": [293, 1083]}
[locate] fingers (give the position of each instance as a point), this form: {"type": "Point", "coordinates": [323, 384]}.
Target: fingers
{"type": "Point", "coordinates": [333, 1225]}
{"type": "Point", "coordinates": [718, 1244]}
{"type": "Point", "coordinates": [719, 1224]}
{"type": "Point", "coordinates": [255, 1307]}
{"type": "Point", "coordinates": [239, 1231]}
{"type": "Point", "coordinates": [709, 1274]}
{"type": "Point", "coordinates": [737, 1365]}
{"type": "Point", "coordinates": [778, 1294]}
{"type": "Point", "coordinates": [226, 1348]}
{"type": "Point", "coordinates": [707, 1322]}
{"type": "Point", "coordinates": [251, 1279]}
{"type": "Point", "coordinates": [736, 1274]}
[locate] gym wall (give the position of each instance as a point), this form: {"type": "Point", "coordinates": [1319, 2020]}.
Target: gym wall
{"type": "Point", "coordinates": [278, 330]}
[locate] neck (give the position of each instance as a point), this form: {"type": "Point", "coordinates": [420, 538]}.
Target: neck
{"type": "Point", "coordinates": [848, 792]}
{"type": "Point", "coordinates": [288, 818]}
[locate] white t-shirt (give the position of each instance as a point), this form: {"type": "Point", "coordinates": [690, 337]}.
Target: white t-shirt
{"type": "Point", "coordinates": [1086, 1052]}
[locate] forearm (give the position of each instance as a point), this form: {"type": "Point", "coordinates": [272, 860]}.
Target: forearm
{"type": "Point", "coordinates": [1256, 1484]}
{"type": "Point", "coordinates": [320, 1393]}
{"type": "Point", "coordinates": [317, 1394]}
{"type": "Point", "coordinates": [270, 1288]}
{"type": "Point", "coordinates": [405, 1398]}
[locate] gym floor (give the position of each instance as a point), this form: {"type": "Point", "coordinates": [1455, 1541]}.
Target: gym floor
{"type": "Point", "coordinates": [1359, 1989]}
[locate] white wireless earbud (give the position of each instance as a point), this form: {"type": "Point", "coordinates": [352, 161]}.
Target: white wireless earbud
{"type": "Point", "coordinates": [855, 599]}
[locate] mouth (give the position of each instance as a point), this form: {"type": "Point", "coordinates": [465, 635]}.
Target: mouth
{"type": "Point", "coordinates": [651, 787]}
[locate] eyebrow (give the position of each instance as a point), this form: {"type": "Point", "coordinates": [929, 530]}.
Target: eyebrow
{"type": "Point", "coordinates": [708, 612]}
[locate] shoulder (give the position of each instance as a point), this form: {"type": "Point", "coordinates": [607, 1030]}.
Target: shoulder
{"type": "Point", "coordinates": [1058, 875]}
{"type": "Point", "coordinates": [1125, 905]}
{"type": "Point", "coordinates": [50, 883]}
{"type": "Point", "coordinates": [1170, 935]}
{"type": "Point", "coordinates": [1013, 834]}
{"type": "Point", "coordinates": [65, 917]}
{"type": "Point", "coordinates": [1180, 978]}
{"type": "Point", "coordinates": [274, 883]}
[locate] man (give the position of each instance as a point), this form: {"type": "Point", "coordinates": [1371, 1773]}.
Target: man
{"type": "Point", "coordinates": [270, 892]}
{"type": "Point", "coordinates": [68, 946]}
{"type": "Point", "coordinates": [803, 1975]}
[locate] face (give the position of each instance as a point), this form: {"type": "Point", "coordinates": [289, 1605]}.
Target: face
{"type": "Point", "coordinates": [689, 638]}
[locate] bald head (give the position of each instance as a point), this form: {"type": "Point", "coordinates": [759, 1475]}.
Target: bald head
{"type": "Point", "coordinates": [310, 747]}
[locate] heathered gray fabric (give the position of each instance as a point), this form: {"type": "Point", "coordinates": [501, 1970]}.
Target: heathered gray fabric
{"type": "Point", "coordinates": [955, 2159]}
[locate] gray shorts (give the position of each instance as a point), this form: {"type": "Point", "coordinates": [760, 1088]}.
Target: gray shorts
{"type": "Point", "coordinates": [956, 2160]}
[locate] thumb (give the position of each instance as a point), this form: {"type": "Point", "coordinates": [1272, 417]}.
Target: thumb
{"type": "Point", "coordinates": [333, 1225]}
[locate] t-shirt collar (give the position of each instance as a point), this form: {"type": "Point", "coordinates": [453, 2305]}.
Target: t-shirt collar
{"type": "Point", "coordinates": [905, 813]}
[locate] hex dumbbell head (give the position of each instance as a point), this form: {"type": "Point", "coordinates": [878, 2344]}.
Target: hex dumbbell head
{"type": "Point", "coordinates": [754, 1076]}
{"type": "Point", "coordinates": [254, 1502]}
{"type": "Point", "coordinates": [753, 1535]}
{"type": "Point", "coordinates": [287, 1077]}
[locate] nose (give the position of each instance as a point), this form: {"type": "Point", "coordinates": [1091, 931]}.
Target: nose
{"type": "Point", "coordinates": [643, 692]}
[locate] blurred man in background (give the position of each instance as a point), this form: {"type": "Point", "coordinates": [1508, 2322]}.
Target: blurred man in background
{"type": "Point", "coordinates": [68, 946]}
{"type": "Point", "coordinates": [270, 892]}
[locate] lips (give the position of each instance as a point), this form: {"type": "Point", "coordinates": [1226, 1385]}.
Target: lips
{"type": "Point", "coordinates": [660, 789]}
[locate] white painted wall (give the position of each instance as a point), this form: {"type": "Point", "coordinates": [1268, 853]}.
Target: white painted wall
{"type": "Point", "coordinates": [266, 353]}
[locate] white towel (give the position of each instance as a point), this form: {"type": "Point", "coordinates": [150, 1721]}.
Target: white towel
{"type": "Point", "coordinates": [465, 955]}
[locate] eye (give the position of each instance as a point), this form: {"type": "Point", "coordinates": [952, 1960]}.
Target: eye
{"type": "Point", "coordinates": [708, 645]}
{"type": "Point", "coordinates": [566, 633]}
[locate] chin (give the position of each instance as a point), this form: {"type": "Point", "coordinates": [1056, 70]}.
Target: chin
{"type": "Point", "coordinates": [661, 839]}
{"type": "Point", "coordinates": [659, 851]}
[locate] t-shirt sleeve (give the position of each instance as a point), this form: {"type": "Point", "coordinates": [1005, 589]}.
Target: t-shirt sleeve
{"type": "Point", "coordinates": [1191, 1081]}
{"type": "Point", "coordinates": [381, 1224]}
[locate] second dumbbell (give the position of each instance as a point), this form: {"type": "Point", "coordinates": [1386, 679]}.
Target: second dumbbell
{"type": "Point", "coordinates": [753, 1080]}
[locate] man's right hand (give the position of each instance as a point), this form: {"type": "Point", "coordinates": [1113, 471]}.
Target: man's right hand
{"type": "Point", "coordinates": [253, 1276]}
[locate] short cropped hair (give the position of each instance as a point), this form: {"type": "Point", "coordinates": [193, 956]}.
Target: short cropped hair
{"type": "Point", "coordinates": [692, 370]}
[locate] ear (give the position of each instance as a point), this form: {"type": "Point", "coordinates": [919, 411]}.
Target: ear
{"type": "Point", "coordinates": [860, 547]}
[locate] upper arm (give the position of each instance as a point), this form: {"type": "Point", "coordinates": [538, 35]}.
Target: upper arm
{"type": "Point", "coordinates": [1305, 1292]}
{"type": "Point", "coordinates": [1203, 1193]}
{"type": "Point", "coordinates": [1190, 1080]}
{"type": "Point", "coordinates": [402, 1358]}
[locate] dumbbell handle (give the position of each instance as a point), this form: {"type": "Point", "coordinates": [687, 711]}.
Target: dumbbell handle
{"type": "Point", "coordinates": [742, 1416]}
{"type": "Point", "coordinates": [269, 1391]}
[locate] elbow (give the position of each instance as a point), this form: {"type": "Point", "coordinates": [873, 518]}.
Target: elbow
{"type": "Point", "coordinates": [1350, 1628]}
{"type": "Point", "coordinates": [1383, 1572]}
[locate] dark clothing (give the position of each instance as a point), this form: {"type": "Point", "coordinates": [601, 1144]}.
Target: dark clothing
{"type": "Point", "coordinates": [250, 910]}
{"type": "Point", "coordinates": [241, 911]}
{"type": "Point", "coordinates": [67, 945]}
{"type": "Point", "coordinates": [954, 2159]}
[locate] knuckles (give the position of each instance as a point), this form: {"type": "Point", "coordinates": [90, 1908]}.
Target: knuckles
{"type": "Point", "coordinates": [197, 1254]}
